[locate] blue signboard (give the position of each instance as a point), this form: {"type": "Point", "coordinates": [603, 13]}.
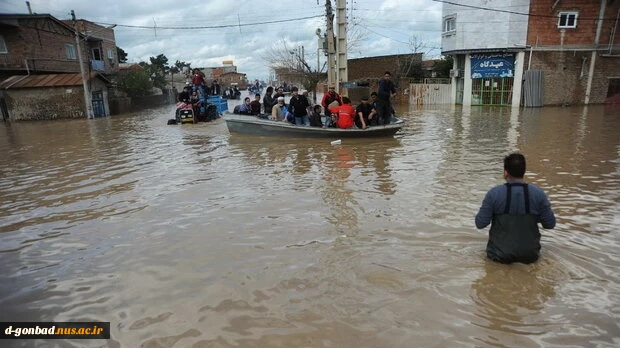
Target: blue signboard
{"type": "Point", "coordinates": [492, 65]}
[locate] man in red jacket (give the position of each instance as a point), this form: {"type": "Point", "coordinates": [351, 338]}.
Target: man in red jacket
{"type": "Point", "coordinates": [330, 97]}
{"type": "Point", "coordinates": [346, 114]}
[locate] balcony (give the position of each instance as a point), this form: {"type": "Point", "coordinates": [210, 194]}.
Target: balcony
{"type": "Point", "coordinates": [97, 65]}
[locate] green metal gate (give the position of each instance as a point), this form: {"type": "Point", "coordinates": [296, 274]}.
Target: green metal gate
{"type": "Point", "coordinates": [492, 91]}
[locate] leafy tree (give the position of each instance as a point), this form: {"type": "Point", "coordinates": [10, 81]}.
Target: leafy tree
{"type": "Point", "coordinates": [121, 54]}
{"type": "Point", "coordinates": [135, 82]}
{"type": "Point", "coordinates": [442, 68]}
{"type": "Point", "coordinates": [157, 69]}
{"type": "Point", "coordinates": [161, 68]}
{"type": "Point", "coordinates": [177, 68]}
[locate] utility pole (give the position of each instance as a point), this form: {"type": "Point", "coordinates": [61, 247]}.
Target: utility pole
{"type": "Point", "coordinates": [341, 47]}
{"type": "Point", "coordinates": [331, 50]}
{"type": "Point", "coordinates": [87, 97]}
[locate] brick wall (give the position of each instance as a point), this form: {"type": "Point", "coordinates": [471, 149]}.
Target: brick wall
{"type": "Point", "coordinates": [543, 22]}
{"type": "Point", "coordinates": [45, 104]}
{"type": "Point", "coordinates": [374, 67]}
{"type": "Point", "coordinates": [565, 76]}
{"type": "Point", "coordinates": [105, 41]}
{"type": "Point", "coordinates": [48, 103]}
{"type": "Point", "coordinates": [42, 42]}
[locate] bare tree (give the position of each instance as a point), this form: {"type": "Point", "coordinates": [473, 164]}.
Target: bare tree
{"type": "Point", "coordinates": [282, 56]}
{"type": "Point", "coordinates": [411, 65]}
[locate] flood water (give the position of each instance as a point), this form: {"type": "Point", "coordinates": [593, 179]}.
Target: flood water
{"type": "Point", "coordinates": [187, 236]}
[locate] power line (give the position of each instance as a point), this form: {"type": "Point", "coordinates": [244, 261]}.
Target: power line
{"type": "Point", "coordinates": [515, 12]}
{"type": "Point", "coordinates": [212, 26]}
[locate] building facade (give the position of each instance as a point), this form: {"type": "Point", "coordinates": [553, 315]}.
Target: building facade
{"type": "Point", "coordinates": [532, 53]}
{"type": "Point", "coordinates": [575, 47]}
{"type": "Point", "coordinates": [488, 47]}
{"type": "Point", "coordinates": [38, 44]}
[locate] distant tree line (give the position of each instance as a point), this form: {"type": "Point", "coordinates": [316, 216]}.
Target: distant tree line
{"type": "Point", "coordinates": [136, 82]}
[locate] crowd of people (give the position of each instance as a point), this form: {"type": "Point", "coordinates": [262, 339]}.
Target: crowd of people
{"type": "Point", "coordinates": [338, 110]}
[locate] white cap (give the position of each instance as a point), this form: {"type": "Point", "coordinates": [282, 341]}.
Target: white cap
{"type": "Point", "coordinates": [280, 98]}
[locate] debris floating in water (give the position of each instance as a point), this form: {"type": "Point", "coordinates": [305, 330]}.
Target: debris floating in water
{"type": "Point", "coordinates": [337, 142]}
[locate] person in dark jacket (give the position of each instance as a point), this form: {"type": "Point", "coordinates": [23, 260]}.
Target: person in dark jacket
{"type": "Point", "coordinates": [383, 105]}
{"type": "Point", "coordinates": [514, 211]}
{"type": "Point", "coordinates": [268, 100]}
{"type": "Point", "coordinates": [297, 106]}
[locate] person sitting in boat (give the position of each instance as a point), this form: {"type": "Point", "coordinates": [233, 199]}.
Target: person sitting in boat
{"type": "Point", "coordinates": [331, 98]}
{"type": "Point", "coordinates": [346, 114]}
{"type": "Point", "coordinates": [365, 112]}
{"type": "Point", "coordinates": [245, 108]}
{"type": "Point", "coordinates": [314, 115]}
{"type": "Point", "coordinates": [280, 112]}
{"type": "Point", "coordinates": [255, 105]}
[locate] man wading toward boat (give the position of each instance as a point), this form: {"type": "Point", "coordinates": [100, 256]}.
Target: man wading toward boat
{"type": "Point", "coordinates": [514, 211]}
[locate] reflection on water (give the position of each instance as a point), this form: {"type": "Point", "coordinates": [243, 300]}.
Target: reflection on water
{"type": "Point", "coordinates": [188, 236]}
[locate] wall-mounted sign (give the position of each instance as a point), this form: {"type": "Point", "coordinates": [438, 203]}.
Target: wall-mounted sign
{"type": "Point", "coordinates": [492, 65]}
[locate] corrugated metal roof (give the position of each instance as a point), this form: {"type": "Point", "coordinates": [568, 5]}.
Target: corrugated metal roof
{"type": "Point", "coordinates": [47, 80]}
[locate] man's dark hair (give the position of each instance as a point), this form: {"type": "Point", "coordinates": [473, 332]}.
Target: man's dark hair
{"type": "Point", "coordinates": [387, 73]}
{"type": "Point", "coordinates": [373, 93]}
{"type": "Point", "coordinates": [514, 164]}
{"type": "Point", "coordinates": [294, 89]}
{"type": "Point", "coordinates": [346, 100]}
{"type": "Point", "coordinates": [257, 95]}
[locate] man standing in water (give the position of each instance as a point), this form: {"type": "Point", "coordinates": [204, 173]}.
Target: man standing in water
{"type": "Point", "coordinates": [514, 211]}
{"type": "Point", "coordinates": [385, 91]}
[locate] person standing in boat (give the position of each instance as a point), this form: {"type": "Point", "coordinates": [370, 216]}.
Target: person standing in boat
{"type": "Point", "coordinates": [385, 91]}
{"type": "Point", "coordinates": [514, 210]}
{"type": "Point", "coordinates": [268, 100]}
{"type": "Point", "coordinates": [330, 97]}
{"type": "Point", "coordinates": [279, 93]}
{"type": "Point", "coordinates": [297, 106]}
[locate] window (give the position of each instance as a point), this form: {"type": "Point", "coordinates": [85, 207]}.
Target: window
{"type": "Point", "coordinates": [110, 54]}
{"type": "Point", "coordinates": [70, 51]}
{"type": "Point", "coordinates": [449, 24]}
{"type": "Point", "coordinates": [567, 20]}
{"type": "Point", "coordinates": [96, 54]}
{"type": "Point", "coordinates": [3, 45]}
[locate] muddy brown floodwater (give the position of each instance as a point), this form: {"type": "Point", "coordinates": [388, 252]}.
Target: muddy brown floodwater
{"type": "Point", "coordinates": [187, 236]}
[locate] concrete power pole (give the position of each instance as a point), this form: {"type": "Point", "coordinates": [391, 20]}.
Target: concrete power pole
{"type": "Point", "coordinates": [87, 97]}
{"type": "Point", "coordinates": [341, 47]}
{"type": "Point", "coordinates": [331, 50]}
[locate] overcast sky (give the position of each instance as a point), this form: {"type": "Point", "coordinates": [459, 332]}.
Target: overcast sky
{"type": "Point", "coordinates": [245, 30]}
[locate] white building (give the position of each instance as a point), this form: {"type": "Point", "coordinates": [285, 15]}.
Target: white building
{"type": "Point", "coordinates": [487, 39]}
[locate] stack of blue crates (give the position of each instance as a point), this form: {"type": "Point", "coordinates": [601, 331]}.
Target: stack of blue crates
{"type": "Point", "coordinates": [221, 103]}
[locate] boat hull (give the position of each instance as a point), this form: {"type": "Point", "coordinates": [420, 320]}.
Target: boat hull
{"type": "Point", "coordinates": [256, 126]}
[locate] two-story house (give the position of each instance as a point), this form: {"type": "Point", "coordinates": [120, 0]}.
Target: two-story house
{"type": "Point", "coordinates": [532, 52]}
{"type": "Point", "coordinates": [39, 63]}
